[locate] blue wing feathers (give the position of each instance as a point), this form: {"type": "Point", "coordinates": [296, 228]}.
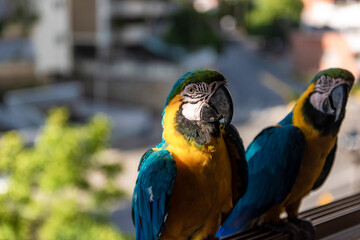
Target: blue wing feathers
{"type": "Point", "coordinates": [287, 120]}
{"type": "Point", "coordinates": [274, 159]}
{"type": "Point", "coordinates": [239, 167]}
{"type": "Point", "coordinates": [144, 158]}
{"type": "Point", "coordinates": [151, 198]}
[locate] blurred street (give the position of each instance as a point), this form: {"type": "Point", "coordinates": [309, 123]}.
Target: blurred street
{"type": "Point", "coordinates": [247, 72]}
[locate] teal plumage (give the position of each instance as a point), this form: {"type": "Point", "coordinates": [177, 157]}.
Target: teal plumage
{"type": "Point", "coordinates": [268, 167]}
{"type": "Point", "coordinates": [151, 201]}
{"type": "Point", "coordinates": [189, 182]}
{"type": "Point", "coordinates": [290, 159]}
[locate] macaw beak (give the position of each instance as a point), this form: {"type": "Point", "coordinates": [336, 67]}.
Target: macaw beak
{"type": "Point", "coordinates": [338, 100]}
{"type": "Point", "coordinates": [219, 106]}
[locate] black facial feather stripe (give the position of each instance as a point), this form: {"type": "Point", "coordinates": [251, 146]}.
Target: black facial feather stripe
{"type": "Point", "coordinates": [195, 95]}
{"type": "Point", "coordinates": [322, 89]}
{"type": "Point", "coordinates": [326, 83]}
{"type": "Point", "coordinates": [193, 102]}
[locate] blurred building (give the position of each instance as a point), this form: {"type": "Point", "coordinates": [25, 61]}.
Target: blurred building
{"type": "Point", "coordinates": [52, 38]}
{"type": "Point", "coordinates": [91, 56]}
{"type": "Point", "coordinates": [329, 36]}
{"type": "Point", "coordinates": [72, 29]}
{"type": "Point", "coordinates": [99, 46]}
{"type": "Point", "coordinates": [16, 51]}
{"type": "Point", "coordinates": [112, 45]}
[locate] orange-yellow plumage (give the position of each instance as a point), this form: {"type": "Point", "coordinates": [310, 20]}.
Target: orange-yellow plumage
{"type": "Point", "coordinates": [317, 149]}
{"type": "Point", "coordinates": [287, 161]}
{"type": "Point", "coordinates": [188, 183]}
{"type": "Point", "coordinates": [202, 191]}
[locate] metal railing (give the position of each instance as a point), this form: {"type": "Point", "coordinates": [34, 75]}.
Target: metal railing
{"type": "Point", "coordinates": [328, 220]}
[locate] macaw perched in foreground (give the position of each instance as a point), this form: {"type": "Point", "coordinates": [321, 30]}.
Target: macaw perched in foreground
{"type": "Point", "coordinates": [189, 182]}
{"type": "Point", "coordinates": [289, 160]}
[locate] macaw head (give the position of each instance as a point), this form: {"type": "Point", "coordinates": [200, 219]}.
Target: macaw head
{"type": "Point", "coordinates": [326, 98]}
{"type": "Point", "coordinates": [197, 104]}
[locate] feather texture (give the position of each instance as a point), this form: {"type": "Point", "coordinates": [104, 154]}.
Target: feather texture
{"type": "Point", "coordinates": [151, 198]}
{"type": "Point", "coordinates": [271, 175]}
{"type": "Point", "coordinates": [289, 160]}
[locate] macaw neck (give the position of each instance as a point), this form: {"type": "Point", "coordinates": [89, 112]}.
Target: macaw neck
{"type": "Point", "coordinates": [311, 121]}
{"type": "Point", "coordinates": [183, 133]}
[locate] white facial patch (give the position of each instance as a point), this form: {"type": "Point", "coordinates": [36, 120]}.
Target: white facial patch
{"type": "Point", "coordinates": [323, 89]}
{"type": "Point", "coordinates": [195, 96]}
{"type": "Point", "coordinates": [192, 111]}
{"type": "Point", "coordinates": [317, 100]}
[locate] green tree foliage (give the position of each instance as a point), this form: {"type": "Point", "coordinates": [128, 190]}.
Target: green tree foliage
{"type": "Point", "coordinates": [192, 30]}
{"type": "Point", "coordinates": [21, 12]}
{"type": "Point", "coordinates": [45, 192]}
{"type": "Point", "coordinates": [236, 8]}
{"type": "Point", "coordinates": [273, 19]}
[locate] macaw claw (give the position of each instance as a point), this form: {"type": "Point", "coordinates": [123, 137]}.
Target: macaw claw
{"type": "Point", "coordinates": [298, 228]}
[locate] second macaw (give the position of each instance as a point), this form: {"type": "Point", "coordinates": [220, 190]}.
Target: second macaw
{"type": "Point", "coordinates": [189, 182]}
{"type": "Point", "coordinates": [289, 160]}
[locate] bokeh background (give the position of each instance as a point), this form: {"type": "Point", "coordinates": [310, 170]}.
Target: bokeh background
{"type": "Point", "coordinates": [83, 84]}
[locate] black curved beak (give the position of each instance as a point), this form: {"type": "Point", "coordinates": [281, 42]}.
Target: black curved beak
{"type": "Point", "coordinates": [219, 106]}
{"type": "Point", "coordinates": [338, 100]}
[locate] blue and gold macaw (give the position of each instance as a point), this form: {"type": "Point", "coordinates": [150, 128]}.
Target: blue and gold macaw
{"type": "Point", "coordinates": [288, 160]}
{"type": "Point", "coordinates": [188, 183]}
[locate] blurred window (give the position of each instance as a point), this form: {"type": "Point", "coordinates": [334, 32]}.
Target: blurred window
{"type": "Point", "coordinates": [59, 4]}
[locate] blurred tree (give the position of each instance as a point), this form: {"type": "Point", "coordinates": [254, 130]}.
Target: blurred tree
{"type": "Point", "coordinates": [21, 13]}
{"type": "Point", "coordinates": [273, 20]}
{"type": "Point", "coordinates": [236, 8]}
{"type": "Point", "coordinates": [192, 30]}
{"type": "Point", "coordinates": [45, 192]}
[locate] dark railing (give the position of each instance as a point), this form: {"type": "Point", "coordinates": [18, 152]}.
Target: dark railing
{"type": "Point", "coordinates": [334, 218]}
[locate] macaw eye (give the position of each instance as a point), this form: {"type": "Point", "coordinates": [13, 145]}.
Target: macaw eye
{"type": "Point", "coordinates": [190, 90]}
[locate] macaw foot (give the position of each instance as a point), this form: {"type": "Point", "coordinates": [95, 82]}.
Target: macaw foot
{"type": "Point", "coordinates": [282, 227]}
{"type": "Point", "coordinates": [306, 227]}
{"type": "Point", "coordinates": [297, 232]}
